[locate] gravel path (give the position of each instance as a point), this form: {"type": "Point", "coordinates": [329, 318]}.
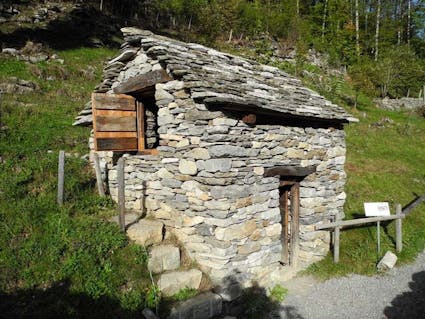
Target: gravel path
{"type": "Point", "coordinates": [400, 293]}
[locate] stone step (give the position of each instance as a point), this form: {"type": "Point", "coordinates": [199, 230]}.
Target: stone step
{"type": "Point", "coordinates": [172, 282]}
{"type": "Point", "coordinates": [146, 232]}
{"type": "Point", "coordinates": [163, 258]}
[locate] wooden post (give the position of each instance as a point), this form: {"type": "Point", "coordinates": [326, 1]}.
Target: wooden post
{"type": "Point", "coordinates": [398, 230]}
{"type": "Point", "coordinates": [121, 193]}
{"type": "Point", "coordinates": [61, 176]}
{"type": "Point", "coordinates": [336, 244]}
{"type": "Point", "coordinates": [98, 175]}
{"type": "Point", "coordinates": [378, 237]}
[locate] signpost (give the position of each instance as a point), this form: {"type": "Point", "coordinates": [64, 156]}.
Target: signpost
{"type": "Point", "coordinates": [377, 210]}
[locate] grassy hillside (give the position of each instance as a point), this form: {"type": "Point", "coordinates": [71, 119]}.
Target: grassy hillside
{"type": "Point", "coordinates": [64, 260]}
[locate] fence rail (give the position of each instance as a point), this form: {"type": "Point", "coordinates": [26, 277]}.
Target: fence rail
{"type": "Point", "coordinates": [337, 225]}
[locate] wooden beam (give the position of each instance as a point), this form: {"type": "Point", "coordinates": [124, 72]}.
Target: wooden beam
{"type": "Point", "coordinates": [143, 81]}
{"type": "Point", "coordinates": [289, 171]}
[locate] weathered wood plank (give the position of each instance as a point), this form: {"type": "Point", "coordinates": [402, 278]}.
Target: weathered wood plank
{"type": "Point", "coordinates": [115, 134]}
{"type": "Point", "coordinates": [103, 101]}
{"type": "Point", "coordinates": [285, 234]}
{"type": "Point", "coordinates": [143, 81]}
{"type": "Point", "coordinates": [114, 113]}
{"type": "Point", "coordinates": [140, 126]}
{"type": "Point", "coordinates": [295, 222]}
{"type": "Point", "coordinates": [289, 171]}
{"type": "Point", "coordinates": [116, 123]}
{"type": "Point", "coordinates": [359, 221]}
{"type": "Point", "coordinates": [116, 144]}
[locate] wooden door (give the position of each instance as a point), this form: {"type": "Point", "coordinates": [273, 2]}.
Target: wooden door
{"type": "Point", "coordinates": [289, 208]}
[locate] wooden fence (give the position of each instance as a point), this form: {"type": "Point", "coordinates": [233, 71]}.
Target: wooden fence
{"type": "Point", "coordinates": [337, 225]}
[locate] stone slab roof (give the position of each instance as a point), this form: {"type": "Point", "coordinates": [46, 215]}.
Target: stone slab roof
{"type": "Point", "coordinates": [220, 78]}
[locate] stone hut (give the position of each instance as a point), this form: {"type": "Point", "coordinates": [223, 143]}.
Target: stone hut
{"type": "Point", "coordinates": [238, 160]}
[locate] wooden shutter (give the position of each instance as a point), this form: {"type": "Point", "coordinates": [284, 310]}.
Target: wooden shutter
{"type": "Point", "coordinates": [115, 122]}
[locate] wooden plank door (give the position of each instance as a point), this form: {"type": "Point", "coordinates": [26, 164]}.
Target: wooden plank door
{"type": "Point", "coordinates": [117, 122]}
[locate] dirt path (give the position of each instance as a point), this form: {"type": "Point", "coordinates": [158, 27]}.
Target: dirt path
{"type": "Point", "coordinates": [400, 293]}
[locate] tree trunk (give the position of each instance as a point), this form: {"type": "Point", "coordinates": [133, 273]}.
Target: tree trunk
{"type": "Point", "coordinates": [357, 28]}
{"type": "Point", "coordinates": [378, 21]}
{"type": "Point", "coordinates": [409, 8]}
{"type": "Point", "coordinates": [324, 20]}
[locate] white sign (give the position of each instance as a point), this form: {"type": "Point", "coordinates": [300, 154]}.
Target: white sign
{"type": "Point", "coordinates": [377, 209]}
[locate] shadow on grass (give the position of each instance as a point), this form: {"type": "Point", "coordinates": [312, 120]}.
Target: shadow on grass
{"type": "Point", "coordinates": [409, 304]}
{"type": "Point", "coordinates": [83, 26]}
{"type": "Point", "coordinates": [59, 302]}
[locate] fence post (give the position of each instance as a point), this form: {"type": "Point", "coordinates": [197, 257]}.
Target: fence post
{"type": "Point", "coordinates": [121, 193]}
{"type": "Point", "coordinates": [398, 230]}
{"type": "Point", "coordinates": [98, 175]}
{"type": "Point", "coordinates": [336, 244]}
{"type": "Point", "coordinates": [61, 176]}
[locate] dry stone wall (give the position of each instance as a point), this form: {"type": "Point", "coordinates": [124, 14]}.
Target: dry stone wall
{"type": "Point", "coordinates": [208, 187]}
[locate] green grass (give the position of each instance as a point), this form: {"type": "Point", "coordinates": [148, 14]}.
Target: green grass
{"type": "Point", "coordinates": [48, 251]}
{"type": "Point", "coordinates": [384, 163]}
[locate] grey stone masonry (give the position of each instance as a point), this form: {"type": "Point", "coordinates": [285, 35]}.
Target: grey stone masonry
{"type": "Point", "coordinates": [207, 185]}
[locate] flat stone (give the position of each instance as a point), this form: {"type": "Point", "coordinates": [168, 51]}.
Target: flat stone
{"type": "Point", "coordinates": [238, 231]}
{"type": "Point", "coordinates": [387, 262]}
{"type": "Point", "coordinates": [163, 258]}
{"type": "Point", "coordinates": [146, 232]}
{"type": "Point", "coordinates": [187, 167]}
{"type": "Point", "coordinates": [204, 306]}
{"type": "Point", "coordinates": [199, 153]}
{"type": "Point", "coordinates": [171, 283]}
{"type": "Point", "coordinates": [227, 151]}
{"type": "Point", "coordinates": [224, 121]}
{"type": "Point", "coordinates": [215, 165]}
{"type": "Point", "coordinates": [123, 57]}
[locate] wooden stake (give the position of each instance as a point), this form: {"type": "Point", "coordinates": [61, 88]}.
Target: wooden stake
{"type": "Point", "coordinates": [398, 230]}
{"type": "Point", "coordinates": [378, 237]}
{"type": "Point", "coordinates": [121, 192]}
{"type": "Point", "coordinates": [61, 177]}
{"type": "Point", "coordinates": [336, 244]}
{"type": "Point", "coordinates": [98, 175]}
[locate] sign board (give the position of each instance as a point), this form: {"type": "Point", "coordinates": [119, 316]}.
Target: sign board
{"type": "Point", "coordinates": [377, 209]}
